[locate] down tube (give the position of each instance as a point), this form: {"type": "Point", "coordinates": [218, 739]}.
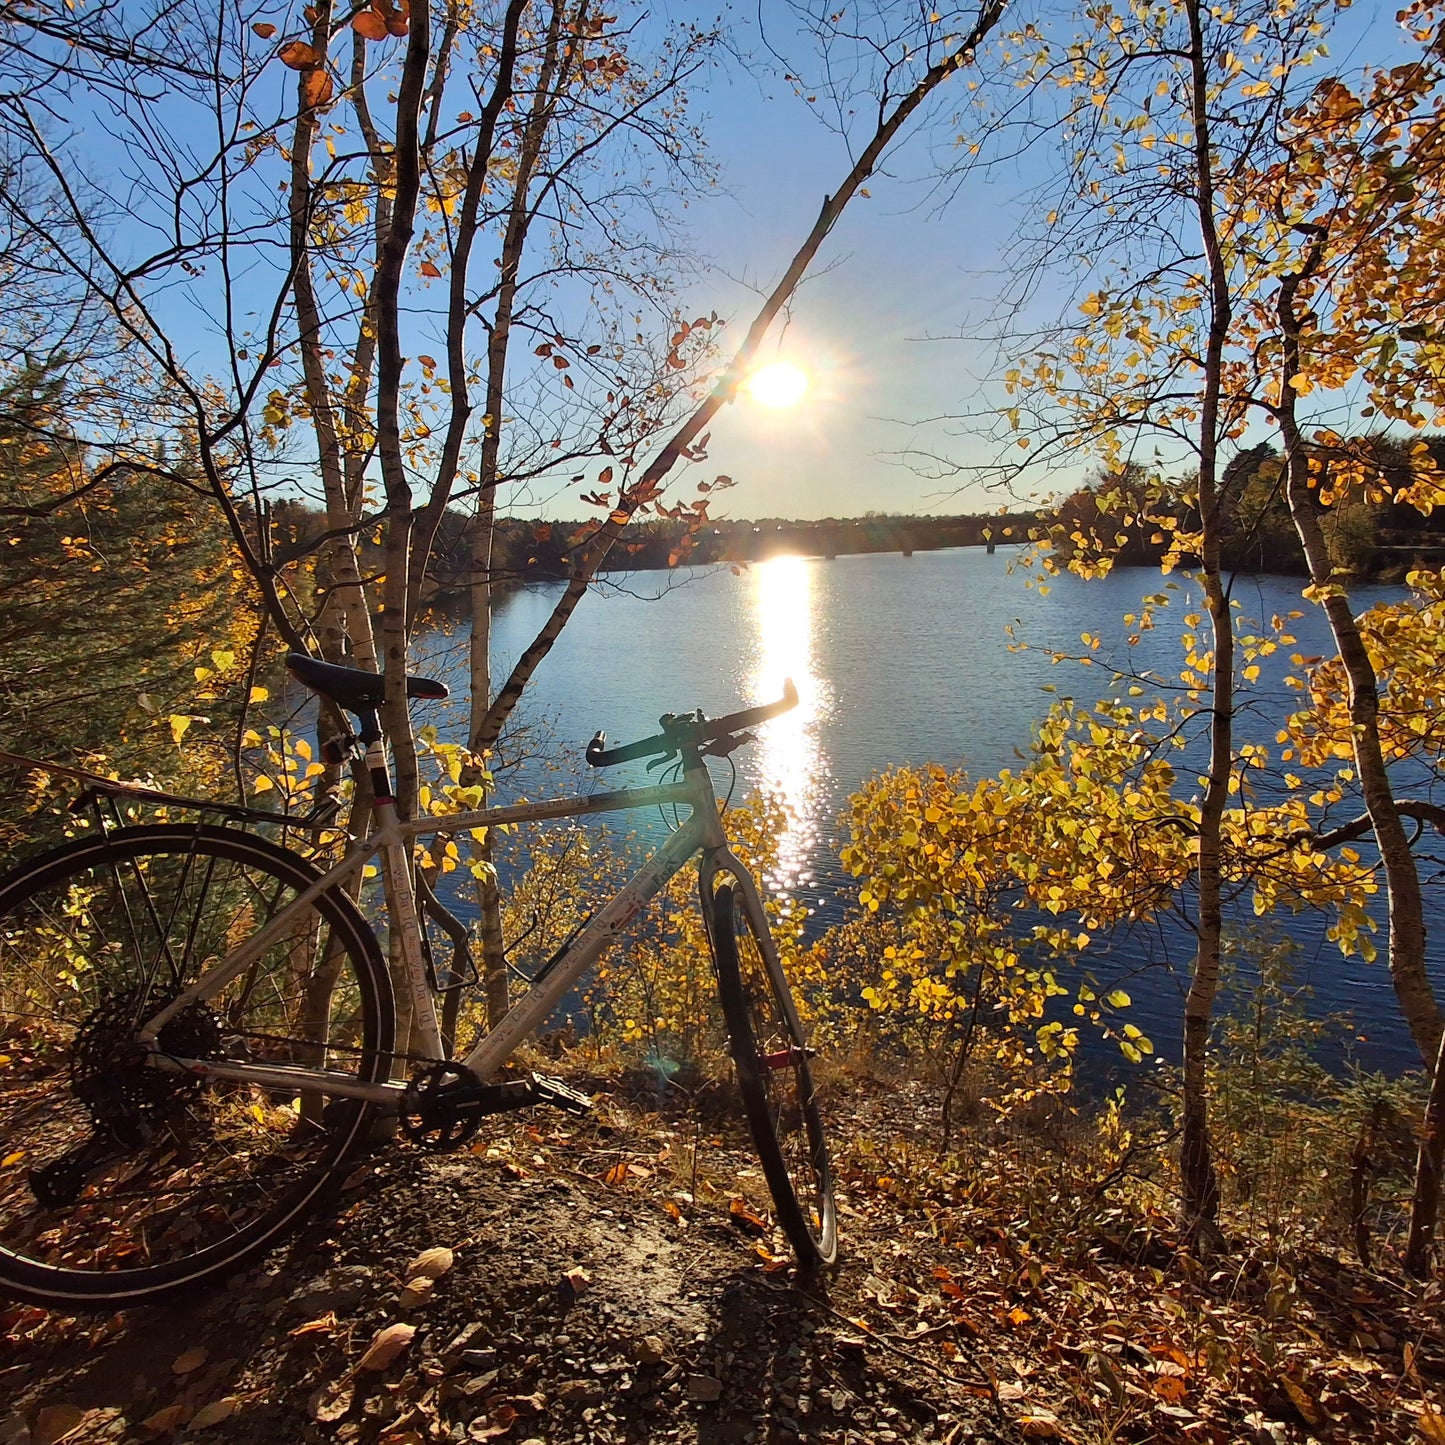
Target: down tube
{"type": "Point", "coordinates": [550, 986]}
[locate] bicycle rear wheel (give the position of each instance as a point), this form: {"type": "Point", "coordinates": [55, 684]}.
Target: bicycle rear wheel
{"type": "Point", "coordinates": [770, 1054]}
{"type": "Point", "coordinates": [119, 1182]}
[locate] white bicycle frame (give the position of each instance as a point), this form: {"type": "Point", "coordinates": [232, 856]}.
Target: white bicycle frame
{"type": "Point", "coordinates": [391, 839]}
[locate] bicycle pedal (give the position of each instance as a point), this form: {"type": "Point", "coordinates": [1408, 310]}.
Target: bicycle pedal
{"type": "Point", "coordinates": [551, 1091]}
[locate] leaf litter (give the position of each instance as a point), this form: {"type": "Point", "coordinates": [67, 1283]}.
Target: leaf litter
{"type": "Point", "coordinates": [566, 1301]}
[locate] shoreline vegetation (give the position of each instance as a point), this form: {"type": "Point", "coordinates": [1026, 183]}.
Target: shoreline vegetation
{"type": "Point", "coordinates": [1369, 542]}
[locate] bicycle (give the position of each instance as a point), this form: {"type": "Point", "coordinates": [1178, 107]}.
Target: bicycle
{"type": "Point", "coordinates": [200, 1022]}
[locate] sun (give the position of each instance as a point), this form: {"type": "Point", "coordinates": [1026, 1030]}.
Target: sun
{"type": "Point", "coordinates": [778, 385]}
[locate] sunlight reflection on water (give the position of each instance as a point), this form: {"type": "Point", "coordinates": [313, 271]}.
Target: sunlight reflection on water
{"type": "Point", "coordinates": [790, 760]}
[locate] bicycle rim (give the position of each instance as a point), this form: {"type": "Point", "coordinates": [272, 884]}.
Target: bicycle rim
{"type": "Point", "coordinates": [774, 1078]}
{"type": "Point", "coordinates": [120, 1183]}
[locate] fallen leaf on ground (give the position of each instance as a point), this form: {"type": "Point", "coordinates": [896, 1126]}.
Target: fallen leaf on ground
{"type": "Point", "coordinates": [416, 1292]}
{"type": "Point", "coordinates": [164, 1421]}
{"type": "Point", "coordinates": [745, 1219]}
{"type": "Point", "coordinates": [387, 1345]}
{"type": "Point", "coordinates": [494, 1425]}
{"type": "Point", "coordinates": [55, 1422]}
{"type": "Point", "coordinates": [328, 1404]}
{"type": "Point", "coordinates": [215, 1412]}
{"type": "Point", "coordinates": [432, 1263]}
{"type": "Point", "coordinates": [191, 1359]}
{"type": "Point", "coordinates": [1040, 1425]}
{"type": "Point", "coordinates": [1432, 1426]}
{"type": "Point", "coordinates": [1311, 1412]}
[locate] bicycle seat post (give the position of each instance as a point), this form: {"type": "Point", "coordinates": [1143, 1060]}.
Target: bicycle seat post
{"type": "Point", "coordinates": [374, 740]}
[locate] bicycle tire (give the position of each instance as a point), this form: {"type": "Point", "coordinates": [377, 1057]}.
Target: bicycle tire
{"type": "Point", "coordinates": [185, 1179]}
{"type": "Point", "coordinates": [769, 1052]}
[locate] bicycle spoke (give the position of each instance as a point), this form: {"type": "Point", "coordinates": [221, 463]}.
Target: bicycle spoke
{"type": "Point", "coordinates": [125, 1179]}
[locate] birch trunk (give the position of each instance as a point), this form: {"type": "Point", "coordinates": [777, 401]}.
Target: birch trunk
{"type": "Point", "coordinates": [1402, 878]}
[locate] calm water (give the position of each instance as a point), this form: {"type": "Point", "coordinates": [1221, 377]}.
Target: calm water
{"type": "Point", "coordinates": [896, 659]}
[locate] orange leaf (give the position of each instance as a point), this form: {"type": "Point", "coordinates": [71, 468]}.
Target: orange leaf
{"type": "Point", "coordinates": [617, 1173]}
{"type": "Point", "coordinates": [316, 89]}
{"type": "Point", "coordinates": [744, 1218]}
{"type": "Point", "coordinates": [427, 361]}
{"type": "Point", "coordinates": [369, 25]}
{"type": "Point", "coordinates": [396, 24]}
{"type": "Point", "coordinates": [263, 31]}
{"type": "Point", "coordinates": [298, 55]}
{"type": "Point", "coordinates": [1431, 1426]}
{"type": "Point", "coordinates": [1310, 1409]}
{"type": "Point", "coordinates": [1170, 1388]}
{"type": "Point", "coordinates": [427, 269]}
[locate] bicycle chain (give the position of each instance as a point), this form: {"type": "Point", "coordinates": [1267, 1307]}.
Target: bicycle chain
{"type": "Point", "coordinates": [393, 1054]}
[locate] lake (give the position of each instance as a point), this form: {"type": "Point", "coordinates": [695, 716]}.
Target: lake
{"type": "Point", "coordinates": [896, 659]}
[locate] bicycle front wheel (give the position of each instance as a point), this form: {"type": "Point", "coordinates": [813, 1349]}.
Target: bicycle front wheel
{"type": "Point", "coordinates": [775, 1080]}
{"type": "Point", "coordinates": [121, 1182]}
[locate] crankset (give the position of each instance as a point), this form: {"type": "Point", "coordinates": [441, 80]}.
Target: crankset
{"type": "Point", "coordinates": [444, 1103]}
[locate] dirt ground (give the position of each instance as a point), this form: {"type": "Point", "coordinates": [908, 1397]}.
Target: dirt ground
{"type": "Point", "coordinates": [614, 1279]}
{"type": "Point", "coordinates": [587, 1298]}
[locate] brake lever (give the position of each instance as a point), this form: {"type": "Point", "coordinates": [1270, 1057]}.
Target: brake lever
{"type": "Point", "coordinates": [662, 760]}
{"type": "Point", "coordinates": [721, 747]}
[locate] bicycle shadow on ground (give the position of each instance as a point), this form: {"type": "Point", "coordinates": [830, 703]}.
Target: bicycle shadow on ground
{"type": "Point", "coordinates": [572, 1312]}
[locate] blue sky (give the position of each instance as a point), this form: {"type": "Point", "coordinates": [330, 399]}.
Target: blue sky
{"type": "Point", "coordinates": [904, 278]}
{"type": "Point", "coordinates": [879, 324]}
{"type": "Point", "coordinates": [894, 273]}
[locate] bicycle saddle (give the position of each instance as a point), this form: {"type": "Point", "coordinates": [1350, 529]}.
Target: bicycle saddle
{"type": "Point", "coordinates": [351, 687]}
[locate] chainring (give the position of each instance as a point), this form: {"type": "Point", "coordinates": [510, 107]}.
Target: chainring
{"type": "Point", "coordinates": [427, 1117]}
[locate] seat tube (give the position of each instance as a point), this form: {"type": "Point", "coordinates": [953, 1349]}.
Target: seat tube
{"type": "Point", "coordinates": [401, 897]}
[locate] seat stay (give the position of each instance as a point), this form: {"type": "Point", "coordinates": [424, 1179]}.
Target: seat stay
{"type": "Point", "coordinates": [213, 980]}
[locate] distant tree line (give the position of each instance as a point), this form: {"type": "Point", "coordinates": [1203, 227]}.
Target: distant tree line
{"type": "Point", "coordinates": [530, 549]}
{"type": "Point", "coordinates": [1372, 535]}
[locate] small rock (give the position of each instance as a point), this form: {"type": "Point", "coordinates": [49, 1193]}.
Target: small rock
{"type": "Point", "coordinates": [476, 1360]}
{"type": "Point", "coordinates": [478, 1383]}
{"type": "Point", "coordinates": [462, 1343]}
{"type": "Point", "coordinates": [338, 1290]}
{"type": "Point", "coordinates": [573, 1391]}
{"type": "Point", "coordinates": [650, 1350]}
{"type": "Point", "coordinates": [704, 1388]}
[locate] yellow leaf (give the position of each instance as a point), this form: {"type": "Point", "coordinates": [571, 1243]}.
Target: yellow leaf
{"type": "Point", "coordinates": [179, 723]}
{"type": "Point", "coordinates": [1432, 1426]}
{"type": "Point", "coordinates": [260, 694]}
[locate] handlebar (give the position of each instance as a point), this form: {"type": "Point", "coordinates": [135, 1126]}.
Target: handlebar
{"type": "Point", "coordinates": [692, 729]}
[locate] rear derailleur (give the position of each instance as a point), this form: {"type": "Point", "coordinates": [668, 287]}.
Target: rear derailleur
{"type": "Point", "coordinates": [443, 1104]}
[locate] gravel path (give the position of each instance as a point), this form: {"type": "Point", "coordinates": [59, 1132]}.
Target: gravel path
{"type": "Point", "coordinates": [581, 1303]}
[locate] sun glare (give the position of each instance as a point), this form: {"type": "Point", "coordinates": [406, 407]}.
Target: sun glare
{"type": "Point", "coordinates": [778, 384]}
